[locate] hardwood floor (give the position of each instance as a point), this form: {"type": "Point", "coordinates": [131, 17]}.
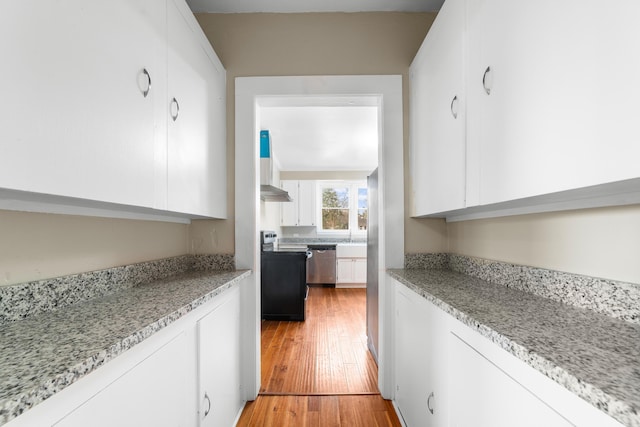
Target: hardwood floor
{"type": "Point", "coordinates": [319, 372]}
{"type": "Point", "coordinates": [319, 411]}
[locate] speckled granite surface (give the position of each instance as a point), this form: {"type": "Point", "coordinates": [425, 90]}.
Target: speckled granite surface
{"type": "Point", "coordinates": [593, 355]}
{"type": "Point", "coordinates": [25, 299]}
{"type": "Point", "coordinates": [613, 298]}
{"type": "Point", "coordinates": [46, 352]}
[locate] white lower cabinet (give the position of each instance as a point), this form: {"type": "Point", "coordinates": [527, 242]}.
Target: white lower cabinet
{"type": "Point", "coordinates": [421, 383]}
{"type": "Point", "coordinates": [187, 374]}
{"type": "Point", "coordinates": [219, 365]}
{"type": "Point", "coordinates": [448, 375]}
{"type": "Point", "coordinates": [152, 393]}
{"type": "Point", "coordinates": [490, 397]}
{"type": "Point", "coordinates": [351, 270]}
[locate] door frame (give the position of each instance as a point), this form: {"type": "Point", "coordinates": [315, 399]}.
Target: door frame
{"type": "Point", "coordinates": [248, 91]}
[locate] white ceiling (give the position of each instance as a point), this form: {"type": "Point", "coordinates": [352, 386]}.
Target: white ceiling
{"type": "Point", "coordinates": [322, 134]}
{"type": "Point", "coordinates": [300, 6]}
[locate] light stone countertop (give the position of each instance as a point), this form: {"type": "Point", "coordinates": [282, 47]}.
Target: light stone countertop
{"type": "Point", "coordinates": [46, 352]}
{"type": "Point", "coordinates": [593, 355]}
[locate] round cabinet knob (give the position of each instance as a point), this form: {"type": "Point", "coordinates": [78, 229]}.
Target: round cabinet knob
{"type": "Point", "coordinates": [487, 80]}
{"type": "Point", "coordinates": [144, 82]}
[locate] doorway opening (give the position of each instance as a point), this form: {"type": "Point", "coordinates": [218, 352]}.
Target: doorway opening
{"type": "Point", "coordinates": [249, 91]}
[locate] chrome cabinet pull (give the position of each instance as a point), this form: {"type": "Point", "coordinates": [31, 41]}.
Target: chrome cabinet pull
{"type": "Point", "coordinates": [206, 412]}
{"type": "Point", "coordinates": [175, 109]}
{"type": "Point", "coordinates": [454, 107]}
{"type": "Point", "coordinates": [145, 86]}
{"type": "Point", "coordinates": [429, 403]}
{"type": "Point", "coordinates": [487, 81]}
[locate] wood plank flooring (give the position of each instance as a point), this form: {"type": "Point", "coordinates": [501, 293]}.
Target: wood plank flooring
{"type": "Point", "coordinates": [325, 354]}
{"type": "Point", "coordinates": [319, 411]}
{"type": "Point", "coordinates": [319, 372]}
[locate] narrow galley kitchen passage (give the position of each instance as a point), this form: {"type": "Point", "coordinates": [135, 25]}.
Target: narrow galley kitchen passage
{"type": "Point", "coordinates": [320, 372]}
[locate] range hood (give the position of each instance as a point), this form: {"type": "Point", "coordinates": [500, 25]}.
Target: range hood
{"type": "Point", "coordinates": [269, 192]}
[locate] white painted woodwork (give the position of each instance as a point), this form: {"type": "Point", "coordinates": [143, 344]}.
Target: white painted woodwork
{"type": "Point", "coordinates": [437, 114]}
{"type": "Point", "coordinates": [74, 119]}
{"type": "Point", "coordinates": [307, 209]}
{"type": "Point", "coordinates": [556, 130]}
{"type": "Point", "coordinates": [302, 211]}
{"type": "Point", "coordinates": [219, 364]}
{"type": "Point", "coordinates": [474, 381]}
{"type": "Point", "coordinates": [421, 362]}
{"type": "Point", "coordinates": [491, 397]}
{"type": "Point", "coordinates": [153, 392]}
{"type": "Point", "coordinates": [351, 250]}
{"type": "Point", "coordinates": [289, 210]}
{"type": "Point", "coordinates": [351, 263]}
{"type": "Point", "coordinates": [250, 92]}
{"type": "Point", "coordinates": [561, 114]}
{"type": "Point", "coordinates": [78, 134]}
{"type": "Point", "coordinates": [196, 137]}
{"type": "Point", "coordinates": [161, 381]}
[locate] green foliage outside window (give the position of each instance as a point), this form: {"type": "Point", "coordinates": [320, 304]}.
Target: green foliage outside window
{"type": "Point", "coordinates": [335, 208]}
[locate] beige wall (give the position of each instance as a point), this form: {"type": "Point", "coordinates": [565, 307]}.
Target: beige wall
{"type": "Point", "coordinates": [322, 44]}
{"type": "Point", "coordinates": [595, 242]}
{"type": "Point", "coordinates": [599, 242]}
{"type": "Point", "coordinates": [36, 246]}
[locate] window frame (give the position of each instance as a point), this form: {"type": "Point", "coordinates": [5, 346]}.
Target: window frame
{"type": "Point", "coordinates": [353, 186]}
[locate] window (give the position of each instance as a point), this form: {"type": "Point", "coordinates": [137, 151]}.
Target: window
{"type": "Point", "coordinates": [343, 206]}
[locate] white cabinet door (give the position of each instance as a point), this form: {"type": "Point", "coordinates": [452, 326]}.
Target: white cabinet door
{"type": "Point", "coordinates": [360, 270]}
{"type": "Point", "coordinates": [152, 393]}
{"type": "Point", "coordinates": [219, 363]}
{"type": "Point", "coordinates": [290, 209]}
{"type": "Point", "coordinates": [344, 270]}
{"type": "Point", "coordinates": [307, 203]}
{"type": "Point", "coordinates": [437, 108]}
{"type": "Point", "coordinates": [196, 117]}
{"type": "Point", "coordinates": [562, 109]}
{"type": "Point", "coordinates": [421, 360]}
{"type": "Point", "coordinates": [351, 270]}
{"type": "Point", "coordinates": [412, 375]}
{"type": "Point", "coordinates": [302, 211]}
{"type": "Point", "coordinates": [483, 395]}
{"type": "Point", "coordinates": [74, 120]}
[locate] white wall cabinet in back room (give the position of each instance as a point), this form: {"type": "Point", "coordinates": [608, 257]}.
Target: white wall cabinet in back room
{"type": "Point", "coordinates": [196, 115]}
{"type": "Point", "coordinates": [74, 117]}
{"type": "Point", "coordinates": [302, 211]}
{"type": "Point", "coordinates": [438, 115]}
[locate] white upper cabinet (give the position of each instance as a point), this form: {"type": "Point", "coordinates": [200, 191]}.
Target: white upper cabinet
{"type": "Point", "coordinates": [87, 108]}
{"type": "Point", "coordinates": [307, 210]}
{"type": "Point", "coordinates": [196, 116]}
{"type": "Point", "coordinates": [562, 109]}
{"type": "Point", "coordinates": [302, 211]}
{"type": "Point", "coordinates": [77, 112]}
{"type": "Point", "coordinates": [550, 90]}
{"type": "Point", "coordinates": [437, 108]}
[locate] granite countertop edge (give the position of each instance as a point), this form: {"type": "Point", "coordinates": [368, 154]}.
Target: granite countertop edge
{"type": "Point", "coordinates": [14, 406]}
{"type": "Point", "coordinates": [611, 405]}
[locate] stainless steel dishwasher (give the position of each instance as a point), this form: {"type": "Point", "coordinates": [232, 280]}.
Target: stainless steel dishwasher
{"type": "Point", "coordinates": [321, 267]}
